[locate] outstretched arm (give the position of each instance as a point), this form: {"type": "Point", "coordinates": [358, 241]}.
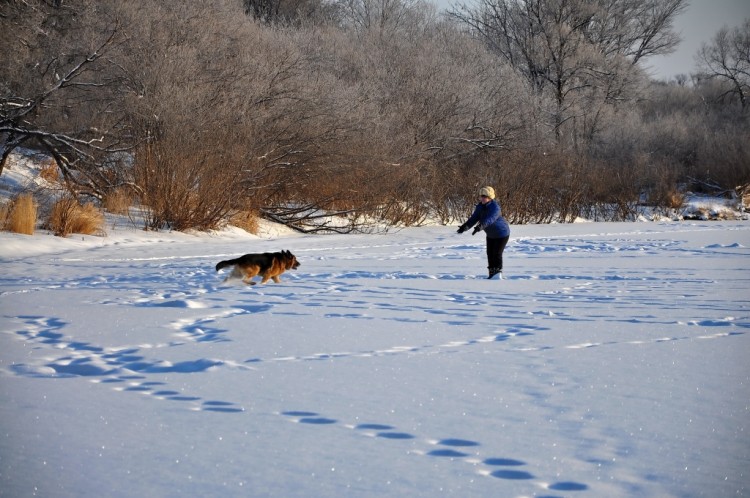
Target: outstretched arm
{"type": "Point", "coordinates": [470, 222]}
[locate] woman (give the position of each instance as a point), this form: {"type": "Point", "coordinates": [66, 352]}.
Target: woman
{"type": "Point", "coordinates": [487, 217]}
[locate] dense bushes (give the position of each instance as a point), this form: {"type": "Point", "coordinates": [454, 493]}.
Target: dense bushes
{"type": "Point", "coordinates": [205, 113]}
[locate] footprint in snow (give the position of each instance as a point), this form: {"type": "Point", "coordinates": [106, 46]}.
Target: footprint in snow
{"type": "Point", "coordinates": [446, 448]}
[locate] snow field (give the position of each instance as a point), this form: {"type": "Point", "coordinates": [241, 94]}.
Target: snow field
{"type": "Point", "coordinates": [612, 361]}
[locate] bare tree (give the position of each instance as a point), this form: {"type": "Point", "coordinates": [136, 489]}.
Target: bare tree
{"type": "Point", "coordinates": [727, 58]}
{"type": "Point", "coordinates": [382, 16]}
{"type": "Point", "coordinates": [580, 52]}
{"type": "Point", "coordinates": [59, 92]}
{"type": "Point", "coordinates": [636, 29]}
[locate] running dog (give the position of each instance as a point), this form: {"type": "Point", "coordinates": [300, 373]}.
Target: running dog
{"type": "Point", "coordinates": [267, 265]}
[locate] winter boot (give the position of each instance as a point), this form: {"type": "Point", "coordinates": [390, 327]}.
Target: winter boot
{"type": "Point", "coordinates": [495, 274]}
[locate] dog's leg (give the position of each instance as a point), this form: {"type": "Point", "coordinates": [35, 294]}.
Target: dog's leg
{"type": "Point", "coordinates": [249, 274]}
{"type": "Point", "coordinates": [276, 279]}
{"type": "Point", "coordinates": [235, 273]}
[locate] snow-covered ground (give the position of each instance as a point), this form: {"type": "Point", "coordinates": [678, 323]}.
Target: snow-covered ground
{"type": "Point", "coordinates": [611, 362]}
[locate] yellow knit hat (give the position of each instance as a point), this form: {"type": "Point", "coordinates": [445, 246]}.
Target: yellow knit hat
{"type": "Point", "coordinates": [488, 191]}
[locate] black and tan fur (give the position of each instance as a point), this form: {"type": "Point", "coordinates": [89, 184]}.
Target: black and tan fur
{"type": "Point", "coordinates": [267, 265]}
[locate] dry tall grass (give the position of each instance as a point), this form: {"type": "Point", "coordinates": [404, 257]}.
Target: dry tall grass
{"type": "Point", "coordinates": [50, 172]}
{"type": "Point", "coordinates": [118, 201]}
{"type": "Point", "coordinates": [246, 220]}
{"type": "Point", "coordinates": [69, 216]}
{"type": "Point", "coordinates": [20, 215]}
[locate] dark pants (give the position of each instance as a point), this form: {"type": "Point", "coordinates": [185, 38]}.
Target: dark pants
{"type": "Point", "coordinates": [495, 248]}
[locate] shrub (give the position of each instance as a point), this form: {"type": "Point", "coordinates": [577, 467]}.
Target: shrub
{"type": "Point", "coordinates": [69, 216]}
{"type": "Point", "coordinates": [662, 191]}
{"type": "Point", "coordinates": [50, 172]}
{"type": "Point", "coordinates": [20, 215]}
{"type": "Point", "coordinates": [246, 220]}
{"type": "Point", "coordinates": [118, 201]}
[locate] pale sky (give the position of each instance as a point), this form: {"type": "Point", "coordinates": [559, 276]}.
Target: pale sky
{"type": "Point", "coordinates": [697, 25]}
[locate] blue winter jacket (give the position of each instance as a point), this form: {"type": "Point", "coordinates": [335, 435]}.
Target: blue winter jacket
{"type": "Point", "coordinates": [490, 220]}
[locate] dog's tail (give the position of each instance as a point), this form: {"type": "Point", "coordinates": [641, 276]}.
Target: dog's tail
{"type": "Point", "coordinates": [224, 264]}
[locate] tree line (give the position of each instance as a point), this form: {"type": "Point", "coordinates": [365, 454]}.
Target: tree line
{"type": "Point", "coordinates": [370, 111]}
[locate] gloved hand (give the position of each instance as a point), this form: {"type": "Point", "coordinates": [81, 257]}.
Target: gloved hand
{"type": "Point", "coordinates": [462, 229]}
{"type": "Point", "coordinates": [476, 229]}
